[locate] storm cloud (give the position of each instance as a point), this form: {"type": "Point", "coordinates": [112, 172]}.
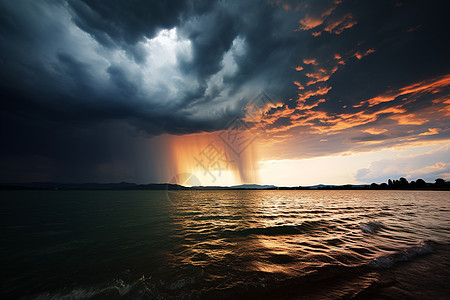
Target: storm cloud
{"type": "Point", "coordinates": [87, 86]}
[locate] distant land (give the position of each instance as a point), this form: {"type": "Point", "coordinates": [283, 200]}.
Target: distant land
{"type": "Point", "coordinates": [401, 184]}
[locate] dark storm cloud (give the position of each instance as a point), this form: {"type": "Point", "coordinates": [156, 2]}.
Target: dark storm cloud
{"type": "Point", "coordinates": [52, 61]}
{"type": "Point", "coordinates": [387, 70]}
{"type": "Point", "coordinates": [73, 72]}
{"type": "Point", "coordinates": [400, 57]}
{"type": "Point", "coordinates": [127, 22]}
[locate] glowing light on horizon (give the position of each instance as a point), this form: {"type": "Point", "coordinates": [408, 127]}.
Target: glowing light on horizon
{"type": "Point", "coordinates": [213, 161]}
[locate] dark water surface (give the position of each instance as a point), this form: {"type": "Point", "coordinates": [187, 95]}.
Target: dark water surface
{"type": "Point", "coordinates": [225, 244]}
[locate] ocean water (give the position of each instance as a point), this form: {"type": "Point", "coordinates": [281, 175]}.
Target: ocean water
{"type": "Point", "coordinates": [225, 244]}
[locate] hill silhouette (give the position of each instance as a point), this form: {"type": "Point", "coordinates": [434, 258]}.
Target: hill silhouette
{"type": "Point", "coordinates": [400, 184]}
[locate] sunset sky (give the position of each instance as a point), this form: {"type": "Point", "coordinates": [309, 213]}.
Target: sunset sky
{"type": "Point", "coordinates": [270, 92]}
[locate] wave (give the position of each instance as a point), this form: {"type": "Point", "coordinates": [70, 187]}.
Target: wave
{"type": "Point", "coordinates": [279, 230]}
{"type": "Point", "coordinates": [142, 288]}
{"type": "Point", "coordinates": [355, 279]}
{"type": "Point", "coordinates": [371, 227]}
{"type": "Point", "coordinates": [115, 289]}
{"type": "Point", "coordinates": [407, 254]}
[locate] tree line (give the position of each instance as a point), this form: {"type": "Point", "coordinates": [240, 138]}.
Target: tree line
{"type": "Point", "coordinates": [396, 184]}
{"type": "Point", "coordinates": [402, 183]}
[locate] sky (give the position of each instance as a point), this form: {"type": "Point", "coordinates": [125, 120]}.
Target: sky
{"type": "Point", "coordinates": [224, 92]}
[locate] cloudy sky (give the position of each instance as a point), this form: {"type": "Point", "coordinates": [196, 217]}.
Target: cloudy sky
{"type": "Point", "coordinates": [271, 92]}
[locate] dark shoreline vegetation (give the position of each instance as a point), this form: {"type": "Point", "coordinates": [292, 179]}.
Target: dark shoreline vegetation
{"type": "Point", "coordinates": [400, 184]}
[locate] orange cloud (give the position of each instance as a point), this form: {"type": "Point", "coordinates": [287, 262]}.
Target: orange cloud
{"type": "Point", "coordinates": [360, 55]}
{"type": "Point", "coordinates": [446, 176]}
{"type": "Point", "coordinates": [308, 117]}
{"type": "Point", "coordinates": [319, 92]}
{"type": "Point", "coordinates": [431, 131]}
{"type": "Point", "coordinates": [377, 100]}
{"type": "Point", "coordinates": [439, 166]}
{"type": "Point", "coordinates": [432, 86]}
{"type": "Point", "coordinates": [300, 86]}
{"type": "Point", "coordinates": [334, 27]}
{"type": "Point", "coordinates": [330, 10]}
{"type": "Point", "coordinates": [321, 75]}
{"type": "Point", "coordinates": [310, 61]}
{"type": "Point", "coordinates": [303, 106]}
{"type": "Point", "coordinates": [323, 122]}
{"type": "Point", "coordinates": [444, 105]}
{"type": "Point", "coordinates": [337, 27]}
{"type": "Point", "coordinates": [408, 119]}
{"type": "Point", "coordinates": [374, 131]}
{"type": "Point", "coordinates": [309, 22]}
{"type": "Point", "coordinates": [344, 121]}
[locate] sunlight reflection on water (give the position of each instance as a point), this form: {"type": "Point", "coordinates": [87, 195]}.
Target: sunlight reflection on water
{"type": "Point", "coordinates": [203, 242]}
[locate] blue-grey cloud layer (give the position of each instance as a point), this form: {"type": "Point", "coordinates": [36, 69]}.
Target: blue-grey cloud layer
{"type": "Point", "coordinates": [73, 72]}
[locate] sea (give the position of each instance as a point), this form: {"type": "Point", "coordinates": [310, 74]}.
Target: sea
{"type": "Point", "coordinates": [233, 244]}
